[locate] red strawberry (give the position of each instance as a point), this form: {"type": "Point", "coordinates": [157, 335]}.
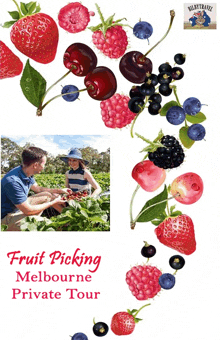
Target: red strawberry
{"type": "Point", "coordinates": [34, 34]}
{"type": "Point", "coordinates": [177, 233]}
{"type": "Point", "coordinates": [123, 323]}
{"type": "Point", "coordinates": [109, 37]}
{"type": "Point", "coordinates": [115, 112]}
{"type": "Point", "coordinates": [74, 17]}
{"type": "Point", "coordinates": [143, 281]}
{"type": "Point", "coordinates": [10, 64]}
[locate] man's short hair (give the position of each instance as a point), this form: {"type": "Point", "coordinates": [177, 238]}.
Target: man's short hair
{"type": "Point", "coordinates": [32, 154]}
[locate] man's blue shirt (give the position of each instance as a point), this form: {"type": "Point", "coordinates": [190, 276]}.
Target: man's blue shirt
{"type": "Point", "coordinates": [15, 186]}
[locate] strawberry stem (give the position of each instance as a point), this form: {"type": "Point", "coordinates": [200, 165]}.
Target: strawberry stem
{"type": "Point", "coordinates": [172, 14]}
{"type": "Point", "coordinates": [18, 8]}
{"type": "Point", "coordinates": [140, 309]}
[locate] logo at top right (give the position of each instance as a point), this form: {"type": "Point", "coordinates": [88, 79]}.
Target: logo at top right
{"type": "Point", "coordinates": [200, 16]}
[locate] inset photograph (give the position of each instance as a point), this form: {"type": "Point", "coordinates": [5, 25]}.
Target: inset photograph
{"type": "Point", "coordinates": [55, 183]}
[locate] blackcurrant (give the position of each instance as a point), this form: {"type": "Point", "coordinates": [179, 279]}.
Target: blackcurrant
{"type": "Point", "coordinates": [177, 73]}
{"type": "Point", "coordinates": [165, 89]}
{"type": "Point", "coordinates": [135, 104]}
{"type": "Point", "coordinates": [180, 58]}
{"type": "Point", "coordinates": [164, 78]}
{"type": "Point", "coordinates": [148, 250]}
{"type": "Point", "coordinates": [156, 97]}
{"type": "Point", "coordinates": [177, 262]}
{"type": "Point", "coordinates": [100, 329]}
{"type": "Point", "coordinates": [135, 92]}
{"type": "Point", "coordinates": [165, 68]}
{"type": "Point", "coordinates": [147, 89]}
{"type": "Point", "coordinates": [154, 108]}
{"type": "Point", "coordinates": [151, 79]}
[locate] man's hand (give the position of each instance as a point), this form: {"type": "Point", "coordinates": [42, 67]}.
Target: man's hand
{"type": "Point", "coordinates": [59, 200]}
{"type": "Point", "coordinates": [65, 191]}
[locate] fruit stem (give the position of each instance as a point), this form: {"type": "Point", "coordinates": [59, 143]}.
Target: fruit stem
{"type": "Point", "coordinates": [140, 309]}
{"type": "Point", "coordinates": [172, 14]}
{"type": "Point", "coordinates": [66, 74]}
{"type": "Point", "coordinates": [59, 95]}
{"type": "Point", "coordinates": [132, 125]}
{"type": "Point", "coordinates": [18, 8]}
{"type": "Point", "coordinates": [133, 222]}
{"type": "Point", "coordinates": [175, 93]}
{"type": "Point", "coordinates": [131, 204]}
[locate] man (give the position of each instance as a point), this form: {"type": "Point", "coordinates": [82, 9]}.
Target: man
{"type": "Point", "coordinates": [15, 186]}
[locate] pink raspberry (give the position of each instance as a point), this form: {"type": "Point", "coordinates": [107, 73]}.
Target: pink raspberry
{"type": "Point", "coordinates": [143, 281]}
{"type": "Point", "coordinates": [115, 112]}
{"type": "Point", "coordinates": [74, 17]}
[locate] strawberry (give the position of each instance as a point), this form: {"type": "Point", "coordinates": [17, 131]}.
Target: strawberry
{"type": "Point", "coordinates": [109, 37]}
{"type": "Point", "coordinates": [143, 281]}
{"type": "Point", "coordinates": [123, 323]}
{"type": "Point", "coordinates": [115, 112]}
{"type": "Point", "coordinates": [10, 64]}
{"type": "Point", "coordinates": [177, 233]}
{"type": "Point", "coordinates": [34, 34]}
{"type": "Point", "coordinates": [74, 17]}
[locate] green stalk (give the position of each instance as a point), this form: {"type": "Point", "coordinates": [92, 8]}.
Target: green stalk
{"type": "Point", "coordinates": [140, 309]}
{"type": "Point", "coordinates": [18, 8]}
{"type": "Point", "coordinates": [175, 93]}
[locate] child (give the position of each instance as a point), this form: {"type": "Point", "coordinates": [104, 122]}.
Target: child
{"type": "Point", "coordinates": [79, 178]}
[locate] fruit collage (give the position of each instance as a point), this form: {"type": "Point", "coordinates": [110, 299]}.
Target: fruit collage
{"type": "Point", "coordinates": [129, 73]}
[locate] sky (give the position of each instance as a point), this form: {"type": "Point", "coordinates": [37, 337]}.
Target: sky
{"type": "Point", "coordinates": [61, 144]}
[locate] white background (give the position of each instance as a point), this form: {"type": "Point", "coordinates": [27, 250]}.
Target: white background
{"type": "Point", "coordinates": [190, 309]}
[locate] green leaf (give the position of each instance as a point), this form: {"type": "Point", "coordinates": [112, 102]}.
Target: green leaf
{"type": "Point", "coordinates": [24, 8]}
{"type": "Point", "coordinates": [185, 140]}
{"type": "Point", "coordinates": [8, 24]}
{"type": "Point", "coordinates": [14, 15]}
{"type": "Point", "coordinates": [153, 212]}
{"type": "Point", "coordinates": [198, 118]}
{"type": "Point", "coordinates": [38, 9]}
{"type": "Point", "coordinates": [31, 6]}
{"type": "Point", "coordinates": [176, 213]}
{"type": "Point", "coordinates": [168, 105]}
{"type": "Point", "coordinates": [4, 227]}
{"type": "Point", "coordinates": [33, 85]}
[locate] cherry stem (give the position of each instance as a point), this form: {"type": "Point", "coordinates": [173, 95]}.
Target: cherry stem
{"type": "Point", "coordinates": [172, 13]}
{"type": "Point", "coordinates": [64, 94]}
{"type": "Point", "coordinates": [140, 309]}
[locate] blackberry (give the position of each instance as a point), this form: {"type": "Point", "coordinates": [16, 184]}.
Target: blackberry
{"type": "Point", "coordinates": [170, 156]}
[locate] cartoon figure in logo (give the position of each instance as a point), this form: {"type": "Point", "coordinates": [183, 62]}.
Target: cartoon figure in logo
{"type": "Point", "coordinates": [200, 20]}
{"type": "Point", "coordinates": [207, 19]}
{"type": "Point", "coordinates": [194, 18]}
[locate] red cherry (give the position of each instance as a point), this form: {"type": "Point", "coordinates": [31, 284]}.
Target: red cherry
{"type": "Point", "coordinates": [149, 176]}
{"type": "Point", "coordinates": [134, 66]}
{"type": "Point", "coordinates": [189, 186]}
{"type": "Point", "coordinates": [82, 57]}
{"type": "Point", "coordinates": [101, 83]}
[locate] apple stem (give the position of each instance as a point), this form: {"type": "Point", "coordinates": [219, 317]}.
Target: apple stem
{"type": "Point", "coordinates": [172, 14]}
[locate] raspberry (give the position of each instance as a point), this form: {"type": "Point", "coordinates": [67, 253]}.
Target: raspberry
{"type": "Point", "coordinates": [170, 156]}
{"type": "Point", "coordinates": [113, 44]}
{"type": "Point", "coordinates": [143, 281]}
{"type": "Point", "coordinates": [115, 112]}
{"type": "Point", "coordinates": [74, 17]}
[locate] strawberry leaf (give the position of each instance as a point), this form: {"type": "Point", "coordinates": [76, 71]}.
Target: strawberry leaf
{"type": "Point", "coordinates": [31, 6]}
{"type": "Point", "coordinates": [166, 107]}
{"type": "Point", "coordinates": [33, 85]}
{"type": "Point", "coordinates": [186, 141]}
{"type": "Point", "coordinates": [153, 208]}
{"type": "Point", "coordinates": [24, 8]}
{"type": "Point", "coordinates": [136, 320]}
{"type": "Point", "coordinates": [38, 9]}
{"type": "Point", "coordinates": [14, 15]}
{"type": "Point", "coordinates": [198, 118]}
{"type": "Point", "coordinates": [8, 24]}
{"type": "Point", "coordinates": [176, 213]}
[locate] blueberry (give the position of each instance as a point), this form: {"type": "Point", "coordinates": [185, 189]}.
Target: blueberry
{"type": "Point", "coordinates": [167, 281]}
{"type": "Point", "coordinates": [72, 96]}
{"type": "Point", "coordinates": [177, 262]}
{"type": "Point", "coordinates": [180, 58]}
{"type": "Point", "coordinates": [100, 329]}
{"type": "Point", "coordinates": [192, 106]}
{"type": "Point", "coordinates": [135, 104]}
{"type": "Point", "coordinates": [196, 132]}
{"type": "Point", "coordinates": [79, 336]}
{"type": "Point", "coordinates": [175, 115]}
{"type": "Point", "coordinates": [143, 30]}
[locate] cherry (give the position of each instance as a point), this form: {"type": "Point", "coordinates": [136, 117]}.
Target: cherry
{"type": "Point", "coordinates": [81, 57]}
{"type": "Point", "coordinates": [148, 176]}
{"type": "Point", "coordinates": [187, 188]}
{"type": "Point", "coordinates": [101, 83]}
{"type": "Point", "coordinates": [134, 66]}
